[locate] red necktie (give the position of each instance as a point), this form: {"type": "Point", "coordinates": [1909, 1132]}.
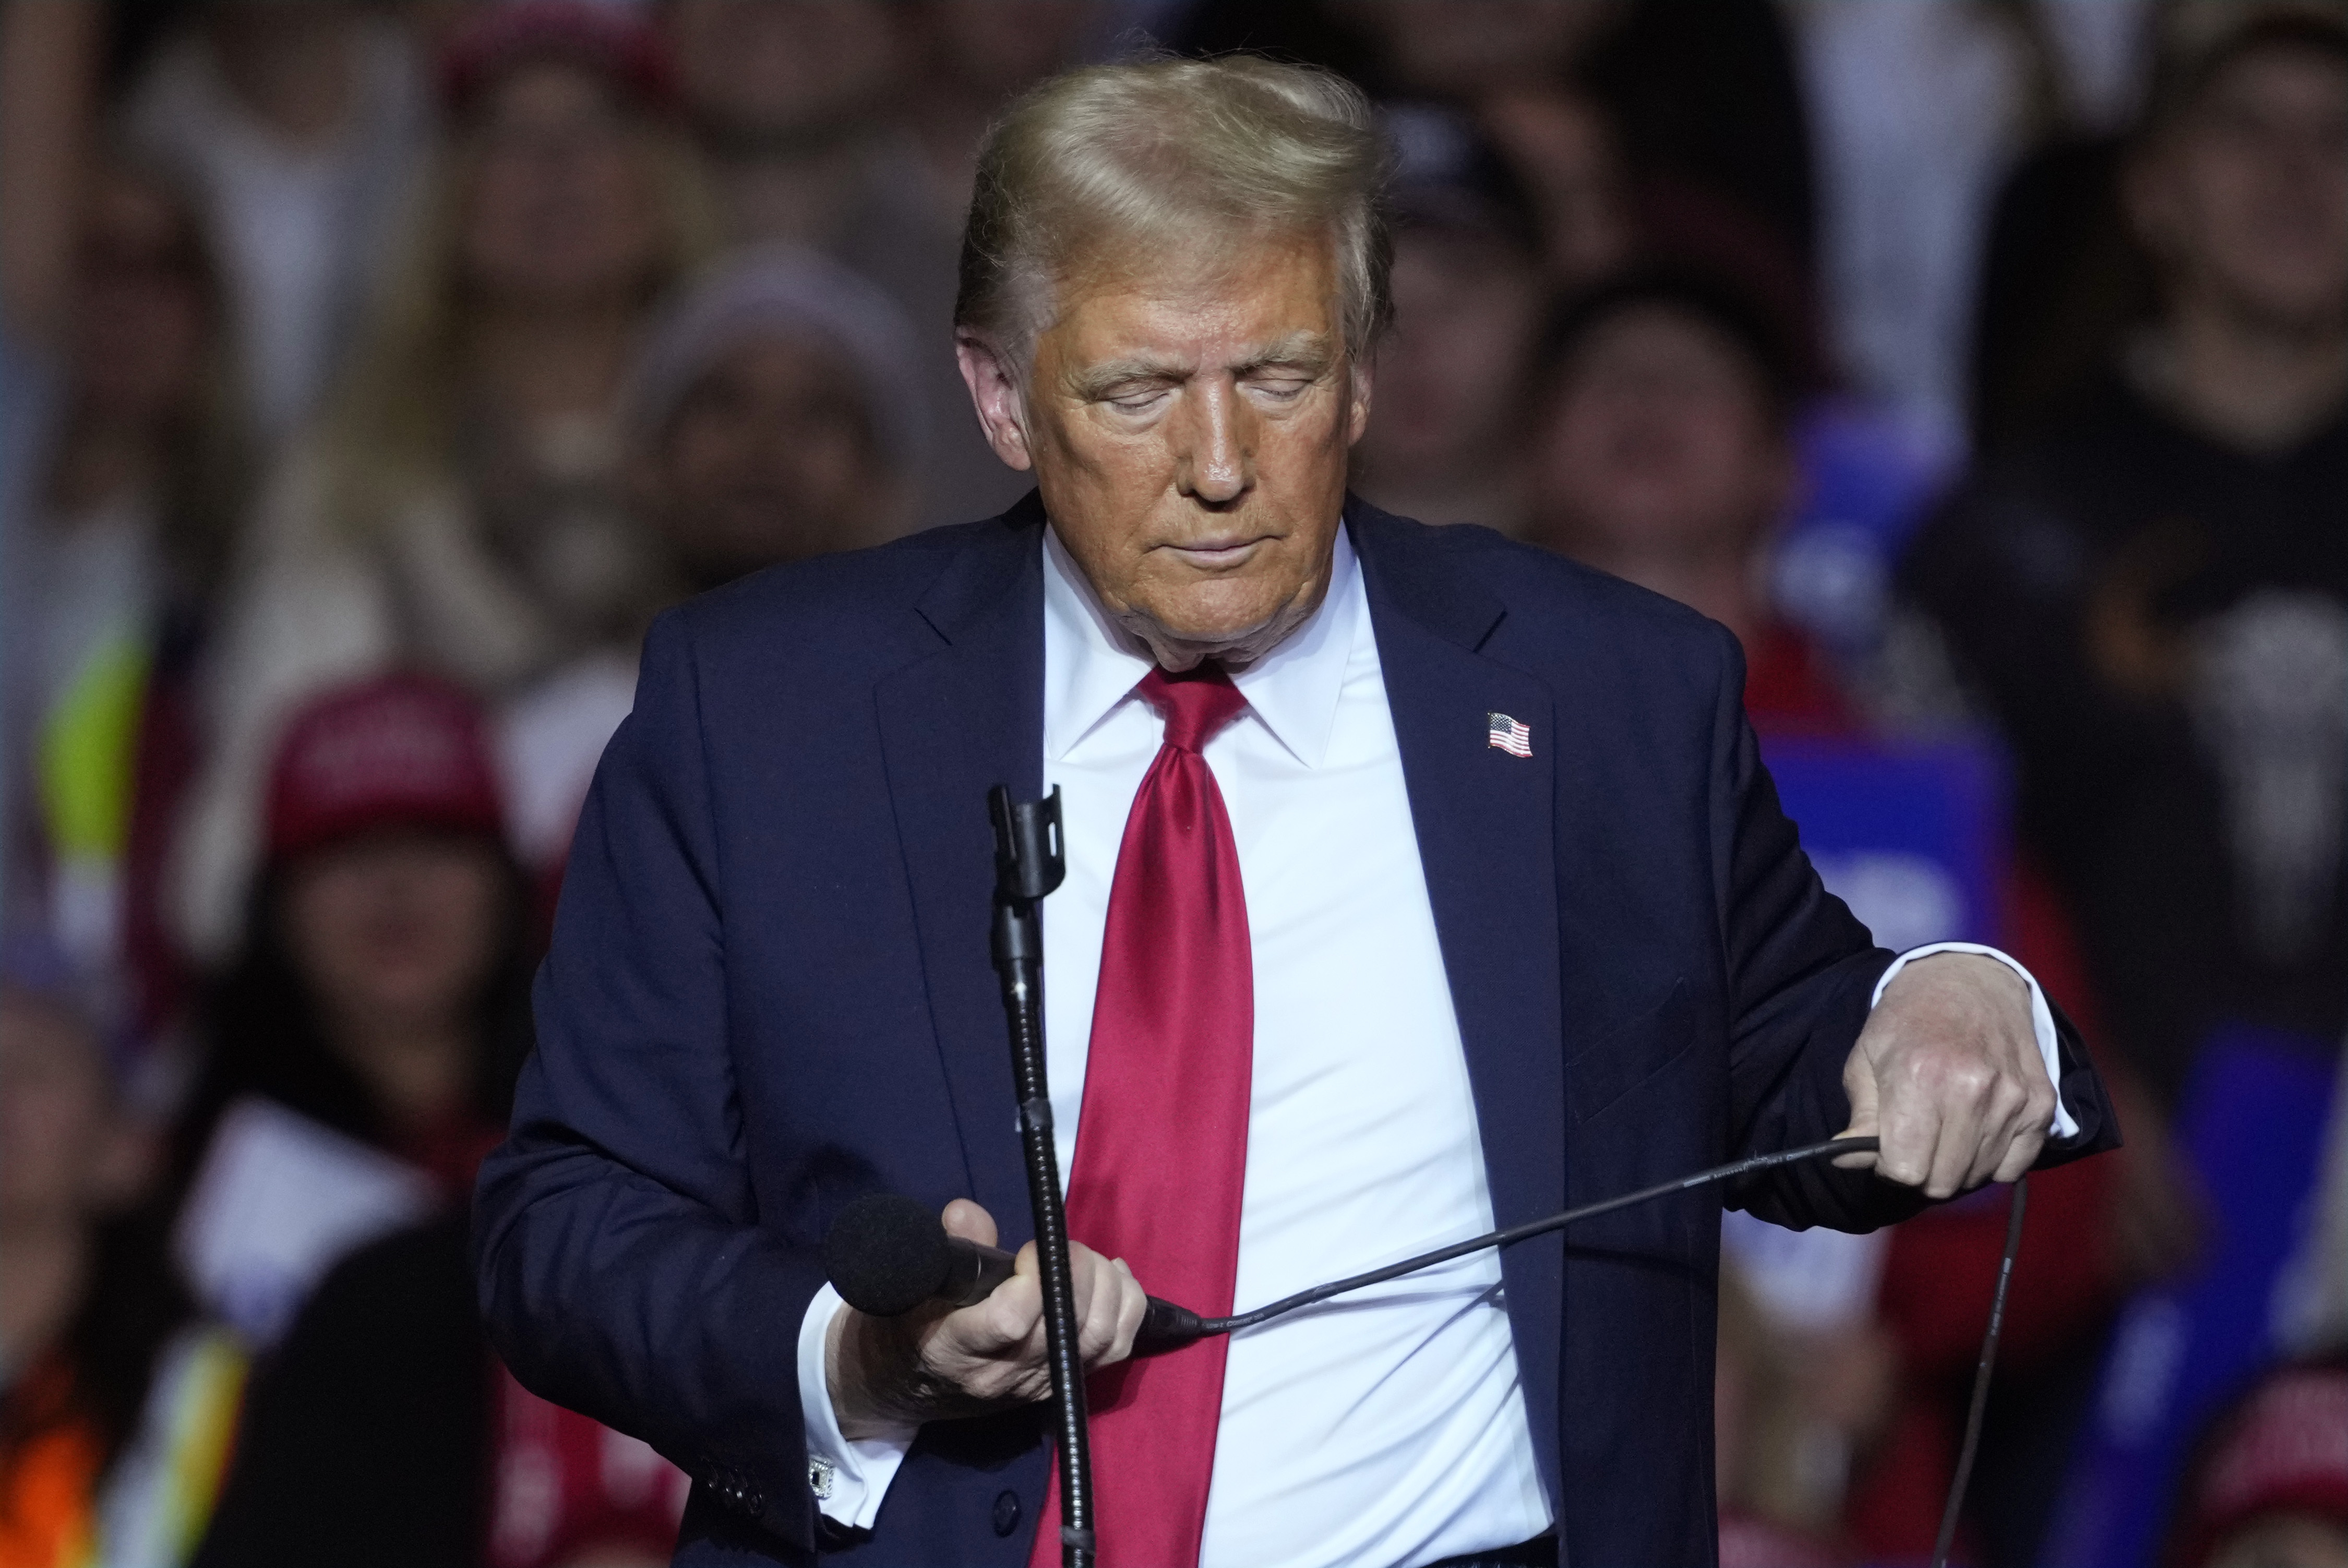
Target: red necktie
{"type": "Point", "coordinates": [1161, 1144]}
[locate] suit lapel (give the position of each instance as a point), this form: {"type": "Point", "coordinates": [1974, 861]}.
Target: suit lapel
{"type": "Point", "coordinates": [1485, 821]}
{"type": "Point", "coordinates": [952, 725]}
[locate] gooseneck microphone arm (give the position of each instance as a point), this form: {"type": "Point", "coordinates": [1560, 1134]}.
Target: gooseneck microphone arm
{"type": "Point", "coordinates": [1029, 863]}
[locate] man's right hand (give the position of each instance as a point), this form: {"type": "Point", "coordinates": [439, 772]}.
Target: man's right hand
{"type": "Point", "coordinates": [887, 1373]}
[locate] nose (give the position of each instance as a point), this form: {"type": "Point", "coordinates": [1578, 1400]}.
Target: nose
{"type": "Point", "coordinates": [1215, 453]}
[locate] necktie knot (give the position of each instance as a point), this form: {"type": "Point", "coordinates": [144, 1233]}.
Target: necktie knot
{"type": "Point", "coordinates": [1195, 704]}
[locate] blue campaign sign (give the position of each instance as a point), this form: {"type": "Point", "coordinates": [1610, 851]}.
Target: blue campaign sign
{"type": "Point", "coordinates": [2253, 1124]}
{"type": "Point", "coordinates": [1912, 836]}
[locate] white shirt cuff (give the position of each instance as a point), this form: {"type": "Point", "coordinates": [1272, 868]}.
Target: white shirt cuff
{"type": "Point", "coordinates": [2042, 1018]}
{"type": "Point", "coordinates": [848, 1477]}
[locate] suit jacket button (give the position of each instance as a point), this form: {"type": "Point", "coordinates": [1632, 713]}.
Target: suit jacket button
{"type": "Point", "coordinates": [1006, 1513]}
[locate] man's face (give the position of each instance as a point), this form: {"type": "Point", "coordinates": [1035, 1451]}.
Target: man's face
{"type": "Point", "coordinates": [1188, 426]}
{"type": "Point", "coordinates": [2246, 200]}
{"type": "Point", "coordinates": [770, 458]}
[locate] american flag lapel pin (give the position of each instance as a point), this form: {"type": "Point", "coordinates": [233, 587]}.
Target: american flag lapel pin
{"type": "Point", "coordinates": [1507, 734]}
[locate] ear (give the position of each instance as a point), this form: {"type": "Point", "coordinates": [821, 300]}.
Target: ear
{"type": "Point", "coordinates": [1361, 374]}
{"type": "Point", "coordinates": [995, 392]}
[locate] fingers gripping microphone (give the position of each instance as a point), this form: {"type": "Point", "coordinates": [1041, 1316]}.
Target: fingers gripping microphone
{"type": "Point", "coordinates": [888, 1255]}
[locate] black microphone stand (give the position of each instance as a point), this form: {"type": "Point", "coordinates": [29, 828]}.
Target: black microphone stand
{"type": "Point", "coordinates": [1029, 863]}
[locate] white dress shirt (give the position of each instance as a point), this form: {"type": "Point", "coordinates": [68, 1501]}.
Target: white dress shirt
{"type": "Point", "coordinates": [1386, 1428]}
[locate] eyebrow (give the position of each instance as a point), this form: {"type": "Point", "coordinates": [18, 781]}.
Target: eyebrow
{"type": "Point", "coordinates": [1302, 349]}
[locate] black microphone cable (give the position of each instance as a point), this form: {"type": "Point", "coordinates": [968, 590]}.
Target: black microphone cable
{"type": "Point", "coordinates": [1829, 1149]}
{"type": "Point", "coordinates": [885, 1261]}
{"type": "Point", "coordinates": [1964, 1475]}
{"type": "Point", "coordinates": [1513, 1234]}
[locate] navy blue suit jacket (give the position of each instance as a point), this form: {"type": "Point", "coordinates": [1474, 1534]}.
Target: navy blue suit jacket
{"type": "Point", "coordinates": [769, 993]}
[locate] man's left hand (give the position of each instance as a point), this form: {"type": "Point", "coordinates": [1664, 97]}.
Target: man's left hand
{"type": "Point", "coordinates": [1947, 1073]}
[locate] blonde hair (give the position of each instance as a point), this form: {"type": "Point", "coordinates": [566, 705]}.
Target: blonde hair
{"type": "Point", "coordinates": [391, 423]}
{"type": "Point", "coordinates": [1156, 152]}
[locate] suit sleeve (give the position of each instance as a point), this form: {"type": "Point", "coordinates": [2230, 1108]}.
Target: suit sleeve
{"type": "Point", "coordinates": [620, 1264]}
{"type": "Point", "coordinates": [1801, 980]}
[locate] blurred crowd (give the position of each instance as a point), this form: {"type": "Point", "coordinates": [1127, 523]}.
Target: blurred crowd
{"type": "Point", "coordinates": [371, 374]}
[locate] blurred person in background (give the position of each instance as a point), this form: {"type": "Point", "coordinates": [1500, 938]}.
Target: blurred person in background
{"type": "Point", "coordinates": [50, 60]}
{"type": "Point", "coordinates": [384, 1433]}
{"type": "Point", "coordinates": [2268, 1485]}
{"type": "Point", "coordinates": [968, 59]}
{"type": "Point", "coordinates": [1598, 98]}
{"type": "Point", "coordinates": [1444, 432]}
{"type": "Point", "coordinates": [2153, 594]}
{"type": "Point", "coordinates": [1521, 71]}
{"type": "Point", "coordinates": [301, 123]}
{"type": "Point", "coordinates": [1460, 52]}
{"type": "Point", "coordinates": [851, 125]}
{"type": "Point", "coordinates": [1661, 454]}
{"type": "Point", "coordinates": [117, 1405]}
{"type": "Point", "coordinates": [772, 417]}
{"type": "Point", "coordinates": [1708, 99]}
{"type": "Point", "coordinates": [793, 103]}
{"type": "Point", "coordinates": [774, 414]}
{"type": "Point", "coordinates": [382, 984]}
{"type": "Point", "coordinates": [1919, 113]}
{"type": "Point", "coordinates": [1564, 148]}
{"type": "Point", "coordinates": [124, 442]}
{"type": "Point", "coordinates": [131, 518]}
{"type": "Point", "coordinates": [384, 994]}
{"type": "Point", "coordinates": [1589, 105]}
{"type": "Point", "coordinates": [462, 507]}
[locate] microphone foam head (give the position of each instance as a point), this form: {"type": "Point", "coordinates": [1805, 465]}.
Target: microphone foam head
{"type": "Point", "coordinates": [886, 1254]}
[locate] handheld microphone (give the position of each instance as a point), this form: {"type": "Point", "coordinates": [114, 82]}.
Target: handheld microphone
{"type": "Point", "coordinates": [888, 1255]}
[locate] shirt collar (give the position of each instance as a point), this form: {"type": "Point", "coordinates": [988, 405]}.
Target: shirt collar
{"type": "Point", "coordinates": [1092, 664]}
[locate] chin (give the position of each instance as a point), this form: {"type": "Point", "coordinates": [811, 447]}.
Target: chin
{"type": "Point", "coordinates": [1219, 635]}
{"type": "Point", "coordinates": [1215, 614]}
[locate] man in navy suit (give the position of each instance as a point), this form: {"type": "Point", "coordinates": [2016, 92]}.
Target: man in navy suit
{"type": "Point", "coordinates": [1418, 882]}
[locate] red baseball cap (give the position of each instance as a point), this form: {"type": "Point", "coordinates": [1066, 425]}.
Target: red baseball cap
{"type": "Point", "coordinates": [607, 39]}
{"type": "Point", "coordinates": [399, 750]}
{"type": "Point", "coordinates": [2284, 1449]}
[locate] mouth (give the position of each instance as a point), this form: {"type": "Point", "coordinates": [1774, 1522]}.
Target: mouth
{"type": "Point", "coordinates": [1219, 554]}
